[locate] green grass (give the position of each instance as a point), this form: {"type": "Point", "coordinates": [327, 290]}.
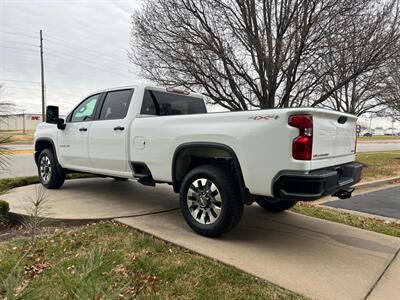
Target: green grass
{"type": "Point", "coordinates": [111, 261]}
{"type": "Point", "coordinates": [371, 224]}
{"type": "Point", "coordinates": [17, 136]}
{"type": "Point", "coordinates": [10, 183]}
{"type": "Point", "coordinates": [380, 164]}
{"type": "Point", "coordinates": [378, 138]}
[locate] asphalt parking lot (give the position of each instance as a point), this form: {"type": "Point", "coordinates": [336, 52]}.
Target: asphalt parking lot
{"type": "Point", "coordinates": [384, 203]}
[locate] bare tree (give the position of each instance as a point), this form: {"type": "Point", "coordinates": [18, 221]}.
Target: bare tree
{"type": "Point", "coordinates": [361, 47]}
{"type": "Point", "coordinates": [253, 53]}
{"type": "Point", "coordinates": [392, 88]}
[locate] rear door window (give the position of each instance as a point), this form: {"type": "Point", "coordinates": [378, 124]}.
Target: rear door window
{"type": "Point", "coordinates": [116, 104]}
{"type": "Point", "coordinates": [166, 104]}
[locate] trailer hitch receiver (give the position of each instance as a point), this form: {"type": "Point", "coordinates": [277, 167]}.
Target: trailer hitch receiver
{"type": "Point", "coordinates": [344, 193]}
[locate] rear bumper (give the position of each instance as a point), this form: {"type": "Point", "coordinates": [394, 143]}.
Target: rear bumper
{"type": "Point", "coordinates": [311, 186]}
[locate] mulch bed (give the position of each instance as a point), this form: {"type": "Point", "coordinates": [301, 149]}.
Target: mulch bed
{"type": "Point", "coordinates": [9, 231]}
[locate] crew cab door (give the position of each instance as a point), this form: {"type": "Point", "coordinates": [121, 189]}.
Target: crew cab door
{"type": "Point", "coordinates": [108, 150]}
{"type": "Point", "coordinates": [73, 140]}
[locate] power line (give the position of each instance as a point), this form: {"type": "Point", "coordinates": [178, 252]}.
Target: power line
{"type": "Point", "coordinates": [20, 87]}
{"type": "Point", "coordinates": [18, 48]}
{"type": "Point", "coordinates": [19, 43]}
{"type": "Point", "coordinates": [17, 33]}
{"type": "Point", "coordinates": [42, 77]}
{"type": "Point", "coordinates": [15, 80]}
{"type": "Point", "coordinates": [100, 55]}
{"type": "Point", "coordinates": [79, 60]}
{"type": "Point", "coordinates": [63, 41]}
{"type": "Point", "coordinates": [19, 29]}
{"type": "Point", "coordinates": [38, 89]}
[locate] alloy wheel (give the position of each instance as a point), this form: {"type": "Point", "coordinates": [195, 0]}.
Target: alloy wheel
{"type": "Point", "coordinates": [45, 168]}
{"type": "Point", "coordinates": [204, 201]}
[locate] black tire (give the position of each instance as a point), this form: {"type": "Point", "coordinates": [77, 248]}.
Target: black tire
{"type": "Point", "coordinates": [56, 173]}
{"type": "Point", "coordinates": [229, 208]}
{"type": "Point", "coordinates": [120, 178]}
{"type": "Point", "coordinates": [275, 206]}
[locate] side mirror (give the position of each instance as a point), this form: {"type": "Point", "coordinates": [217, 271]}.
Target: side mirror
{"type": "Point", "coordinates": [52, 115]}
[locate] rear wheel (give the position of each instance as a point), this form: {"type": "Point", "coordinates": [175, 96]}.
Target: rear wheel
{"type": "Point", "coordinates": [275, 206]}
{"type": "Point", "coordinates": [209, 200]}
{"type": "Point", "coordinates": [51, 174]}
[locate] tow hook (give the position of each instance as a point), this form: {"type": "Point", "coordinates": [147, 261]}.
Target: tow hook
{"type": "Point", "coordinates": [344, 194]}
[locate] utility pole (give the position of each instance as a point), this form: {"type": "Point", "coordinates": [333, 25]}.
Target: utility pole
{"type": "Point", "coordinates": [42, 77]}
{"type": "Point", "coordinates": [23, 121]}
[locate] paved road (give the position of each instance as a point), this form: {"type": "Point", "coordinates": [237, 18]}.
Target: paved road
{"type": "Point", "coordinates": [317, 258]}
{"type": "Point", "coordinates": [19, 165]}
{"type": "Point", "coordinates": [383, 203]}
{"type": "Point", "coordinates": [361, 147]}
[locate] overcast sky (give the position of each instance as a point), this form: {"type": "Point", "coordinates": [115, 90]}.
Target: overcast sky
{"type": "Point", "coordinates": [85, 49]}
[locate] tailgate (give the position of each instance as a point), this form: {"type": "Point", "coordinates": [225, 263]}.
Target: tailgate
{"type": "Point", "coordinates": [334, 137]}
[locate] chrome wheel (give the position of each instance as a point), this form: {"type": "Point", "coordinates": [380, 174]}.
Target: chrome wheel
{"type": "Point", "coordinates": [45, 168]}
{"type": "Point", "coordinates": [204, 201]}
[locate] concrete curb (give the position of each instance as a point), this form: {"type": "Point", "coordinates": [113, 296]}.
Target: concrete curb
{"type": "Point", "coordinates": [369, 184]}
{"type": "Point", "coordinates": [19, 218]}
{"type": "Point", "coordinates": [358, 213]}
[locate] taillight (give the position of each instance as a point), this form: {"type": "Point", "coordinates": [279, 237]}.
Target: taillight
{"type": "Point", "coordinates": [302, 144]}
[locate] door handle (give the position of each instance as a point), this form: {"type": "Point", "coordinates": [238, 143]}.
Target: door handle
{"type": "Point", "coordinates": [83, 129]}
{"type": "Point", "coordinates": [119, 128]}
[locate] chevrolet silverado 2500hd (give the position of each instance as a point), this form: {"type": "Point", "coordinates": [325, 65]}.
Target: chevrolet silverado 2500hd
{"type": "Point", "coordinates": [217, 162]}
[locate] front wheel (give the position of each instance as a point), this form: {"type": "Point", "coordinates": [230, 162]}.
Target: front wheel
{"type": "Point", "coordinates": [275, 206]}
{"type": "Point", "coordinates": [50, 173]}
{"type": "Point", "coordinates": [209, 200]}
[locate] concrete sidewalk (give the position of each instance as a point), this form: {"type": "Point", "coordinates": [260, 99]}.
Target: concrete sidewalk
{"type": "Point", "coordinates": [316, 258]}
{"type": "Point", "coordinates": [95, 198]}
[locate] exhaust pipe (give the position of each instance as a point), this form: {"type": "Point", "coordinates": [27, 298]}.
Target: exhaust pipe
{"type": "Point", "coordinates": [344, 194]}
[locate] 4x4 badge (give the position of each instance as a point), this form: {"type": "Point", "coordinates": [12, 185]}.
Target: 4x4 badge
{"type": "Point", "coordinates": [264, 117]}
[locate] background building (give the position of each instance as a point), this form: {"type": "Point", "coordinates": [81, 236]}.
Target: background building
{"type": "Point", "coordinates": [19, 121]}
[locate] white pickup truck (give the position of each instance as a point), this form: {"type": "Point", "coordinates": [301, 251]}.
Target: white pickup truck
{"type": "Point", "coordinates": [217, 162]}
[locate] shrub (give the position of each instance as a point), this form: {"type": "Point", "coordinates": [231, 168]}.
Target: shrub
{"type": "Point", "coordinates": [4, 209]}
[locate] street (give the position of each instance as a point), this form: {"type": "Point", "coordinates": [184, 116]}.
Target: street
{"type": "Point", "coordinates": [367, 147]}
{"type": "Point", "coordinates": [19, 165]}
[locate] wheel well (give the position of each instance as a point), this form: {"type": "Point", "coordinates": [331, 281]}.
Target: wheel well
{"type": "Point", "coordinates": [40, 145]}
{"type": "Point", "coordinates": [189, 156]}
